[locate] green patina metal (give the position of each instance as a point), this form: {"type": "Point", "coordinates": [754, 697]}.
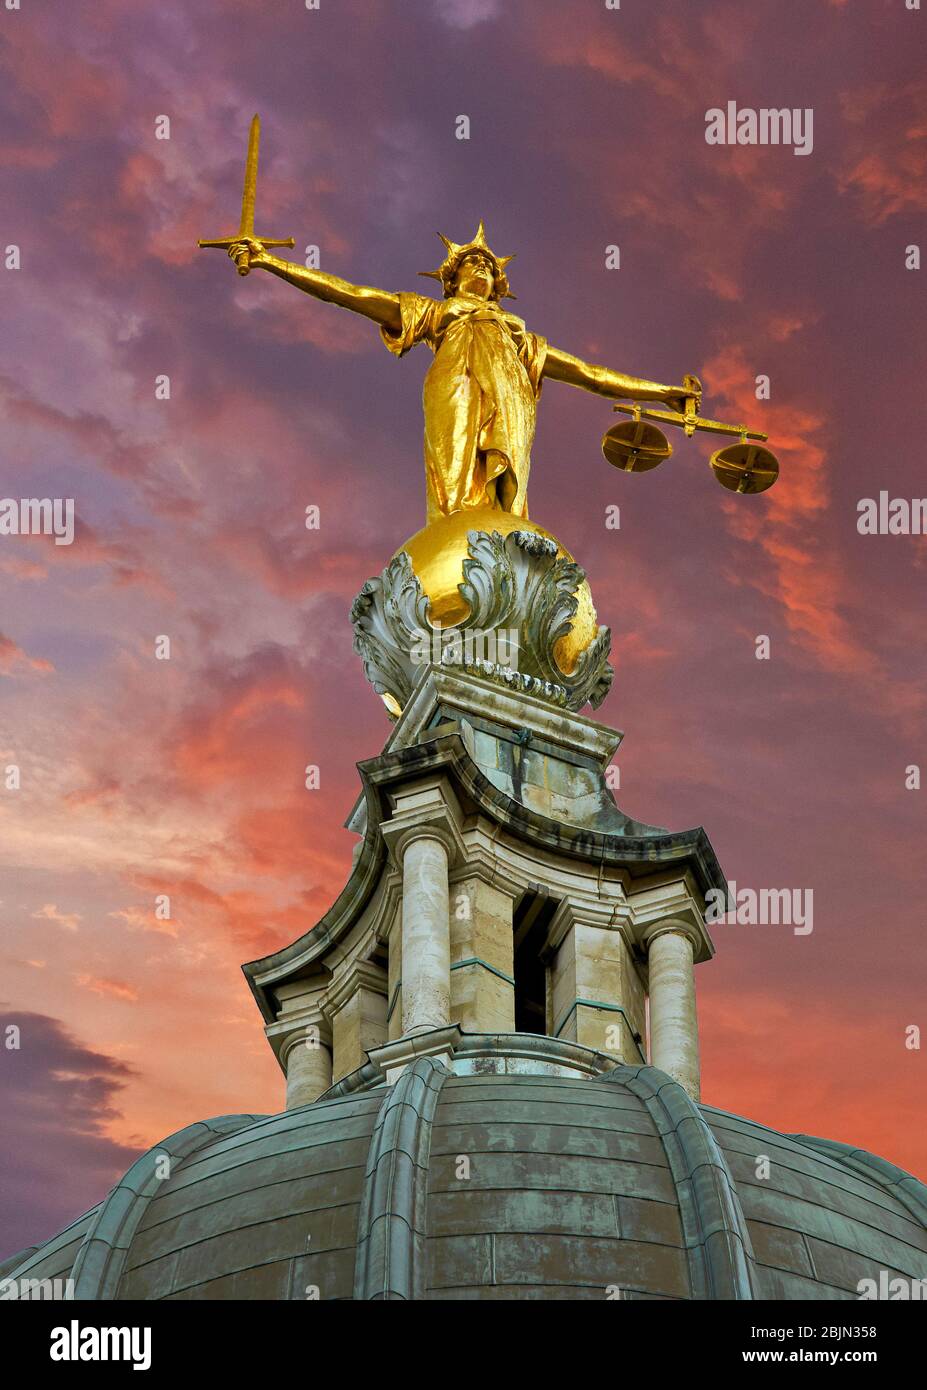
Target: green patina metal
{"type": "Point", "coordinates": [904, 1187]}
{"type": "Point", "coordinates": [608, 1008]}
{"type": "Point", "coordinates": [475, 960]}
{"type": "Point", "coordinates": [721, 1259]}
{"type": "Point", "coordinates": [100, 1261]}
{"type": "Point", "coordinates": [582, 1175]}
{"type": "Point", "coordinates": [392, 1224]}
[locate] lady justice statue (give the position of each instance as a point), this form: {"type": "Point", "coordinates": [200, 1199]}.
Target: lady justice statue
{"type": "Point", "coordinates": [479, 562]}
{"type": "Point", "coordinates": [481, 390]}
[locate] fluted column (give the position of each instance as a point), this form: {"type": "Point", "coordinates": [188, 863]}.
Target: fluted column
{"type": "Point", "coordinates": [673, 1019]}
{"type": "Point", "coordinates": [426, 935]}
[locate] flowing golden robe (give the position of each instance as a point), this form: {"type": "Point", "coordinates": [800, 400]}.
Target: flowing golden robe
{"type": "Point", "coordinates": [480, 397]}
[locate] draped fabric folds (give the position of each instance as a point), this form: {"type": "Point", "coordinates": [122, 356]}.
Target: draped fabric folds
{"type": "Point", "coordinates": [480, 399]}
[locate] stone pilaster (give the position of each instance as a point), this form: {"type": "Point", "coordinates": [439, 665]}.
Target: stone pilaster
{"type": "Point", "coordinates": [595, 996]}
{"type": "Point", "coordinates": [482, 981]}
{"type": "Point", "coordinates": [357, 1007]}
{"type": "Point", "coordinates": [394, 992]}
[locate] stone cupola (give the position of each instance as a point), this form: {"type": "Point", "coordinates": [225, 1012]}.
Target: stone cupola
{"type": "Point", "coordinates": [496, 890]}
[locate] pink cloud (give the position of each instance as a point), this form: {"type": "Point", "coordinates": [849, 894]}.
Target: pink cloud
{"type": "Point", "coordinates": [14, 661]}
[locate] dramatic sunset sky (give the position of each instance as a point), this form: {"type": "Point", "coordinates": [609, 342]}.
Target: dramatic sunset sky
{"type": "Point", "coordinates": [185, 777]}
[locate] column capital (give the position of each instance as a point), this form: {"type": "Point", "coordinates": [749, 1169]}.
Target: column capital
{"type": "Point", "coordinates": [670, 896]}
{"type": "Point", "coordinates": [308, 1069]}
{"type": "Point", "coordinates": [292, 1024]}
{"type": "Point", "coordinates": [298, 1032]}
{"type": "Point", "coordinates": [678, 926]}
{"type": "Point", "coordinates": [425, 810]}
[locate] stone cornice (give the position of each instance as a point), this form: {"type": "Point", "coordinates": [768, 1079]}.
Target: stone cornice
{"type": "Point", "coordinates": [438, 687]}
{"type": "Point", "coordinates": [640, 854]}
{"type": "Point", "coordinates": [262, 974]}
{"type": "Point", "coordinates": [471, 1053]}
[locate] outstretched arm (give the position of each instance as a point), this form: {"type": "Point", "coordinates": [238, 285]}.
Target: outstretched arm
{"type": "Point", "coordinates": [562, 366]}
{"type": "Point", "coordinates": [379, 305]}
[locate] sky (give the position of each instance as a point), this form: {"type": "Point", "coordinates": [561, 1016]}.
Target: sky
{"type": "Point", "coordinates": [141, 777]}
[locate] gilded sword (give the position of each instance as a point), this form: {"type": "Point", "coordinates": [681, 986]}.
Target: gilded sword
{"type": "Point", "coordinates": [246, 229]}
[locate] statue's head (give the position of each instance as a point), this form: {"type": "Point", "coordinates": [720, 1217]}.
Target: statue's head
{"type": "Point", "coordinates": [476, 275]}
{"type": "Point", "coordinates": [472, 268]}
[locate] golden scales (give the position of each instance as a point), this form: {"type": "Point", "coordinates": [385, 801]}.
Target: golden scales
{"type": "Point", "coordinates": [637, 445]}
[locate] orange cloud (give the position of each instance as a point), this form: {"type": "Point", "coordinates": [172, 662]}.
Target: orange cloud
{"type": "Point", "coordinates": [113, 989]}
{"type": "Point", "coordinates": [884, 167]}
{"type": "Point", "coordinates": [49, 913]}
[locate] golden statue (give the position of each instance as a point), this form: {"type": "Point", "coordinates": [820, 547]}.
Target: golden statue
{"type": "Point", "coordinates": [481, 390]}
{"type": "Point", "coordinates": [480, 403]}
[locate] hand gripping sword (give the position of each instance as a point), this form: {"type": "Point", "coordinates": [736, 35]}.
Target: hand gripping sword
{"type": "Point", "coordinates": [243, 259]}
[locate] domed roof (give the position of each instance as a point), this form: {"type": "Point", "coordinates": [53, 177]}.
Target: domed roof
{"type": "Point", "coordinates": [505, 1178]}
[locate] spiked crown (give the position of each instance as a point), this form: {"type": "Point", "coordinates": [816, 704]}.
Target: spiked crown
{"type": "Point", "coordinates": [457, 254]}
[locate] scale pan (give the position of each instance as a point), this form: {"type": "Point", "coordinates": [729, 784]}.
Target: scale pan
{"type": "Point", "coordinates": [745, 468]}
{"type": "Point", "coordinates": [636, 446]}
